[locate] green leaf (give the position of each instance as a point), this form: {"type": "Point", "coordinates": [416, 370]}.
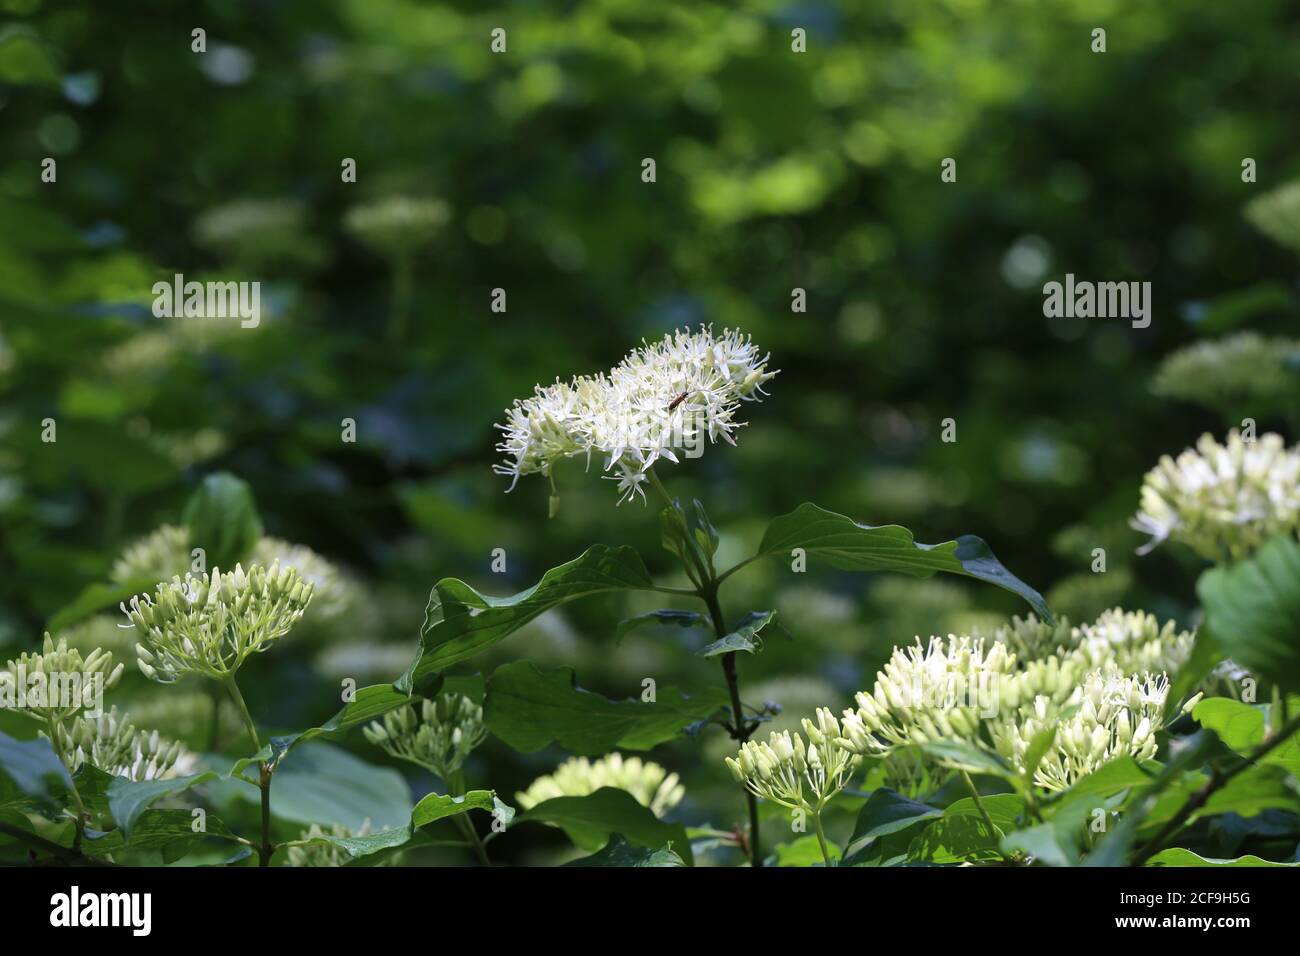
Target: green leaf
{"type": "Point", "coordinates": [1253, 611]}
{"type": "Point", "coordinates": [459, 622]}
{"type": "Point", "coordinates": [129, 799]}
{"type": "Point", "coordinates": [743, 638]}
{"type": "Point", "coordinates": [529, 708]}
{"type": "Point", "coordinates": [663, 617]}
{"type": "Point", "coordinates": [171, 831]}
{"type": "Point", "coordinates": [805, 851]}
{"type": "Point", "coordinates": [1242, 727]}
{"type": "Point", "coordinates": [1205, 654]}
{"type": "Point", "coordinates": [844, 544]}
{"type": "Point", "coordinates": [888, 812]}
{"type": "Point", "coordinates": [1177, 856]}
{"type": "Point", "coordinates": [1114, 776]}
{"type": "Point", "coordinates": [33, 769]}
{"type": "Point", "coordinates": [618, 852]}
{"type": "Point", "coordinates": [222, 519]}
{"type": "Point", "coordinates": [961, 834]}
{"type": "Point", "coordinates": [439, 806]}
{"type": "Point", "coordinates": [592, 820]}
{"type": "Point", "coordinates": [324, 784]}
{"type": "Point", "coordinates": [369, 703]}
{"type": "Point", "coordinates": [360, 847]}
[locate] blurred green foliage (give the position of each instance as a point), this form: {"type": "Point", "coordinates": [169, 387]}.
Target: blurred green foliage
{"type": "Point", "coordinates": [775, 170]}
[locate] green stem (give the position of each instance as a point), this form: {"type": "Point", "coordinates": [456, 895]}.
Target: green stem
{"type": "Point", "coordinates": [821, 838]}
{"type": "Point", "coordinates": [706, 585]}
{"type": "Point", "coordinates": [267, 849]}
{"type": "Point", "coordinates": [994, 831]}
{"type": "Point", "coordinates": [741, 730]}
{"type": "Point", "coordinates": [456, 787]}
{"type": "Point", "coordinates": [51, 726]}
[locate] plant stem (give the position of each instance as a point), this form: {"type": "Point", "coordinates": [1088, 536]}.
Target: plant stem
{"type": "Point", "coordinates": [1215, 783]}
{"type": "Point", "coordinates": [80, 823]}
{"type": "Point", "coordinates": [994, 831]}
{"type": "Point", "coordinates": [706, 589]}
{"type": "Point", "coordinates": [456, 787]}
{"type": "Point", "coordinates": [821, 839]}
{"type": "Point", "coordinates": [741, 730]}
{"type": "Point", "coordinates": [267, 849]}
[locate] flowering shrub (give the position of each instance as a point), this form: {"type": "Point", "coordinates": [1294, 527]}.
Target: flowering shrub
{"type": "Point", "coordinates": [1031, 742]}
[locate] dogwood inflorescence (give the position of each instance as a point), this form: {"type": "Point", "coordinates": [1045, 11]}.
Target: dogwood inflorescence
{"type": "Point", "coordinates": [111, 743]}
{"type": "Point", "coordinates": [57, 683]}
{"type": "Point", "coordinates": [1222, 501]}
{"type": "Point", "coordinates": [209, 624]}
{"type": "Point", "coordinates": [796, 775]}
{"type": "Point", "coordinates": [1109, 715]}
{"type": "Point", "coordinates": [651, 785]}
{"type": "Point", "coordinates": [663, 399]}
{"type": "Point", "coordinates": [439, 737]}
{"type": "Point", "coordinates": [926, 694]}
{"type": "Point", "coordinates": [1102, 684]}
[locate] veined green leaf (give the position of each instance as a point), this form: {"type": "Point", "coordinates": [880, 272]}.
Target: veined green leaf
{"type": "Point", "coordinates": [618, 852]}
{"type": "Point", "coordinates": [887, 812]}
{"type": "Point", "coordinates": [591, 821]}
{"type": "Point", "coordinates": [844, 544]}
{"type": "Point", "coordinates": [663, 617]}
{"type": "Point", "coordinates": [743, 638]}
{"type": "Point", "coordinates": [529, 708]}
{"type": "Point", "coordinates": [31, 768]}
{"type": "Point", "coordinates": [460, 622]}
{"type": "Point", "coordinates": [1177, 856]}
{"type": "Point", "coordinates": [961, 834]}
{"type": "Point", "coordinates": [439, 806]}
{"type": "Point", "coordinates": [1253, 610]}
{"type": "Point", "coordinates": [1242, 727]}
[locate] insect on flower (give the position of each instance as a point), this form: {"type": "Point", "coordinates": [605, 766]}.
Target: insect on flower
{"type": "Point", "coordinates": [677, 401]}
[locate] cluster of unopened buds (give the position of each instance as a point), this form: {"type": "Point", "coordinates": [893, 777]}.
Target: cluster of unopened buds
{"type": "Point", "coordinates": [438, 735]}
{"type": "Point", "coordinates": [209, 624]}
{"type": "Point", "coordinates": [57, 683]}
{"type": "Point", "coordinates": [112, 744]}
{"type": "Point", "coordinates": [1223, 501]}
{"type": "Point", "coordinates": [651, 785]}
{"type": "Point", "coordinates": [1108, 716]}
{"type": "Point", "coordinates": [796, 775]}
{"type": "Point", "coordinates": [929, 693]}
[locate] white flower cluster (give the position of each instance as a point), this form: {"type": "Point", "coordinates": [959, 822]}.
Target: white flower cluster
{"type": "Point", "coordinates": [111, 743]}
{"type": "Point", "coordinates": [1102, 683]}
{"type": "Point", "coordinates": [166, 553]}
{"type": "Point", "coordinates": [797, 776]}
{"type": "Point", "coordinates": [1223, 501]}
{"type": "Point", "coordinates": [926, 694]}
{"type": "Point", "coordinates": [209, 624]}
{"type": "Point", "coordinates": [662, 399]}
{"type": "Point", "coordinates": [651, 785]}
{"type": "Point", "coordinates": [1107, 716]}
